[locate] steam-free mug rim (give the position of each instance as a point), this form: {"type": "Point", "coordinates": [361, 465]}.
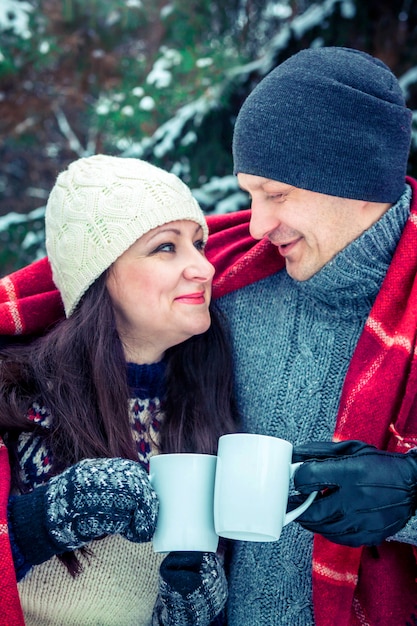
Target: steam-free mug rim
{"type": "Point", "coordinates": [163, 455]}
{"type": "Point", "coordinates": [258, 436]}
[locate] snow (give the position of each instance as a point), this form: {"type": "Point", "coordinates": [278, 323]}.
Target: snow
{"type": "Point", "coordinates": [14, 15]}
{"type": "Point", "coordinates": [12, 219]}
{"type": "Point", "coordinates": [221, 195]}
{"type": "Point", "coordinates": [147, 103]}
{"type": "Point", "coordinates": [160, 75]}
{"type": "Point", "coordinates": [408, 79]}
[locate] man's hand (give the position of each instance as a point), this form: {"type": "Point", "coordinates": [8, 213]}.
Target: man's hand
{"type": "Point", "coordinates": [365, 494]}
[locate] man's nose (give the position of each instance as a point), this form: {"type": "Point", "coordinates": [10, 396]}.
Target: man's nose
{"type": "Point", "coordinates": [262, 221]}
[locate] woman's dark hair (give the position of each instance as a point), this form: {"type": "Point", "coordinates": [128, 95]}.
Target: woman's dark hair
{"type": "Point", "coordinates": [78, 371]}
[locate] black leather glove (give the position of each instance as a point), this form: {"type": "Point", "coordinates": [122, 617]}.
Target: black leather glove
{"type": "Point", "coordinates": [365, 494]}
{"type": "Point", "coordinates": [93, 498]}
{"type": "Point", "coordinates": [192, 590]}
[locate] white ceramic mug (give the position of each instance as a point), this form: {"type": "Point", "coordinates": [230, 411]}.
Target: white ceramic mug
{"type": "Point", "coordinates": [184, 484]}
{"type": "Point", "coordinates": [251, 488]}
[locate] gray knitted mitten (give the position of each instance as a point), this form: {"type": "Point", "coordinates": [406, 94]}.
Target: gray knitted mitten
{"type": "Point", "coordinates": [192, 589]}
{"type": "Point", "coordinates": [93, 498]}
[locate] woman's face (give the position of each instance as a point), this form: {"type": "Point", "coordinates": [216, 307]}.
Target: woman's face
{"type": "Point", "coordinates": [160, 289]}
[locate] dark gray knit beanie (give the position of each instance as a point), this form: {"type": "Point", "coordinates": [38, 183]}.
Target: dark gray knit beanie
{"type": "Point", "coordinates": [330, 120]}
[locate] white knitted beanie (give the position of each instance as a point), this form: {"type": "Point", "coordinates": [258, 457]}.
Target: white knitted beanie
{"type": "Point", "coordinates": [98, 208]}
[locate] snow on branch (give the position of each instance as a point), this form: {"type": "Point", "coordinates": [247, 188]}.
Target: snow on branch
{"type": "Point", "coordinates": [69, 134]}
{"type": "Point", "coordinates": [15, 16]}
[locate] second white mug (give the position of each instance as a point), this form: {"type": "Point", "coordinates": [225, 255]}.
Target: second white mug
{"type": "Point", "coordinates": [252, 485]}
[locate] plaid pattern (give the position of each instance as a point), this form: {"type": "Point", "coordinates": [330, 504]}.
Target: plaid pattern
{"type": "Point", "coordinates": [377, 406]}
{"type": "Point", "coordinates": [10, 609]}
{"type": "Point", "coordinates": [29, 300]}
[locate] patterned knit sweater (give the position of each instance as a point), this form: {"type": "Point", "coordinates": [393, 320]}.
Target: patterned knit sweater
{"type": "Point", "coordinates": [290, 370]}
{"type": "Point", "coordinates": [119, 581]}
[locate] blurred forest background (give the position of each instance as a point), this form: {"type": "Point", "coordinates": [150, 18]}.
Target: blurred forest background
{"type": "Point", "coordinates": [161, 80]}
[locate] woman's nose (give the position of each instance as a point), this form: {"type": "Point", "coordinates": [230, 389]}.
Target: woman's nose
{"type": "Point", "coordinates": [199, 269]}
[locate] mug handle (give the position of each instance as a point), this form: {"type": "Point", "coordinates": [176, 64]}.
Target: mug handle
{"type": "Point", "coordinates": [292, 515]}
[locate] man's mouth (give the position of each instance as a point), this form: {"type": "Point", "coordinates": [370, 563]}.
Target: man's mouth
{"type": "Point", "coordinates": [285, 248]}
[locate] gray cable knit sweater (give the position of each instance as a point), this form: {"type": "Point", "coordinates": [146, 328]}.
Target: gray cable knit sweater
{"type": "Point", "coordinates": [293, 342]}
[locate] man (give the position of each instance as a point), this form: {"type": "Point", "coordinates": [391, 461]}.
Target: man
{"type": "Point", "coordinates": [323, 314]}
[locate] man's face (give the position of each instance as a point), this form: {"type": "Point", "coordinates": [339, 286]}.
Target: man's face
{"type": "Point", "coordinates": [308, 228]}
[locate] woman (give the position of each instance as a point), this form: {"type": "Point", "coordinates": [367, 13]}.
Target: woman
{"type": "Point", "coordinates": [139, 366]}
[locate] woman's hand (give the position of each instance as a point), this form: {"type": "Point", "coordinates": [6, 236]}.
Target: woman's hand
{"type": "Point", "coordinates": [90, 499]}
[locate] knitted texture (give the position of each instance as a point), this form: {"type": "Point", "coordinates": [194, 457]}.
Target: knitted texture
{"type": "Point", "coordinates": [97, 497]}
{"type": "Point", "coordinates": [35, 458]}
{"type": "Point", "coordinates": [302, 367]}
{"type": "Point", "coordinates": [99, 207]}
{"type": "Point", "coordinates": [147, 421]}
{"type": "Point", "coordinates": [316, 119]}
{"type": "Point", "coordinates": [93, 498]}
{"type": "Point", "coordinates": [119, 581]}
{"type": "Point", "coordinates": [36, 462]}
{"type": "Point", "coordinates": [118, 586]}
{"type": "Point", "coordinates": [193, 590]}
{"type": "Point", "coordinates": [301, 355]}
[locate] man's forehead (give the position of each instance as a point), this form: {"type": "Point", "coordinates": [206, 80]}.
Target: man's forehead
{"type": "Point", "coordinates": [252, 182]}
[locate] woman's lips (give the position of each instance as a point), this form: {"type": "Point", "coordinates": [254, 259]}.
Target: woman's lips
{"type": "Point", "coordinates": [192, 298]}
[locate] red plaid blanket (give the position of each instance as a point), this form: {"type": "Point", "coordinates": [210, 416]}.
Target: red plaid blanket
{"type": "Point", "coordinates": [378, 405]}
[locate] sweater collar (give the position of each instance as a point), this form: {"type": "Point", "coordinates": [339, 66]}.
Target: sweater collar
{"type": "Point", "coordinates": [146, 381]}
{"type": "Point", "coordinates": [354, 276]}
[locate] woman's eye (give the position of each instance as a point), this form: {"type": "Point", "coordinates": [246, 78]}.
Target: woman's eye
{"type": "Point", "coordinates": [165, 247]}
{"type": "Point", "coordinates": [200, 245]}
